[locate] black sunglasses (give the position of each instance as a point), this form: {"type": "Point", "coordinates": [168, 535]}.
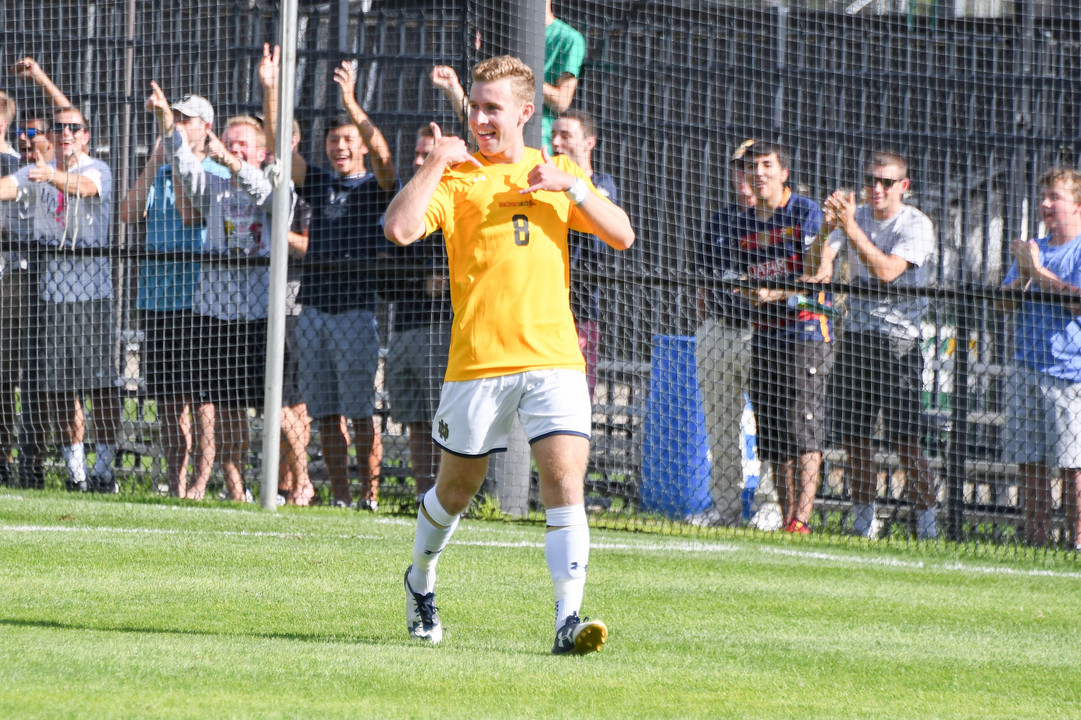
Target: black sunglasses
{"type": "Point", "coordinates": [885, 182]}
{"type": "Point", "coordinates": [61, 127]}
{"type": "Point", "coordinates": [30, 133]}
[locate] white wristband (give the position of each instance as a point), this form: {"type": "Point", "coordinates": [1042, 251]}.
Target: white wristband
{"type": "Point", "coordinates": [578, 191]}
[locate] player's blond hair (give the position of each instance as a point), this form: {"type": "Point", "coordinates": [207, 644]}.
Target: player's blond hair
{"type": "Point", "coordinates": [1063, 174]}
{"type": "Point", "coordinates": [522, 82]}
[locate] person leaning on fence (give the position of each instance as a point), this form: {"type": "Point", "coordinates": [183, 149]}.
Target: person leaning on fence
{"type": "Point", "coordinates": [71, 198]}
{"type": "Point", "coordinates": [337, 335]}
{"type": "Point", "coordinates": [505, 213]}
{"type": "Point", "coordinates": [723, 344]}
{"type": "Point", "coordinates": [573, 135]}
{"type": "Point", "coordinates": [1044, 395]}
{"type": "Point", "coordinates": [166, 288]}
{"type": "Point", "coordinates": [12, 308]}
{"type": "Point", "coordinates": [233, 287]}
{"type": "Point", "coordinates": [880, 367]}
{"type": "Point", "coordinates": [33, 137]}
{"type": "Point", "coordinates": [420, 339]}
{"type": "Point", "coordinates": [776, 242]}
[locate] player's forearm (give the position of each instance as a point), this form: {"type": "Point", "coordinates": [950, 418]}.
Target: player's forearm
{"type": "Point", "coordinates": [558, 97]}
{"type": "Point", "coordinates": [270, 114]}
{"type": "Point", "coordinates": [1048, 281]}
{"type": "Point", "coordinates": [72, 184]}
{"type": "Point", "coordinates": [607, 221]}
{"type": "Point", "coordinates": [404, 222]}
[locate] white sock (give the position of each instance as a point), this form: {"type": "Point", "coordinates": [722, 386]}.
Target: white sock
{"type": "Point", "coordinates": [76, 462]}
{"type": "Point", "coordinates": [566, 549]}
{"type": "Point", "coordinates": [926, 527]}
{"type": "Point", "coordinates": [863, 521]}
{"type": "Point", "coordinates": [434, 528]}
{"type": "Point", "coordinates": [103, 467]}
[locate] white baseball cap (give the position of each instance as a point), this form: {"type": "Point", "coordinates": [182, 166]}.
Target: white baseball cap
{"type": "Point", "coordinates": [195, 106]}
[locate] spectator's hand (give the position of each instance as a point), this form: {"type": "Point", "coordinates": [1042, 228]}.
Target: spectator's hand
{"type": "Point", "coordinates": [1027, 253]}
{"type": "Point", "coordinates": [346, 78]}
{"type": "Point", "coordinates": [547, 176]}
{"type": "Point", "coordinates": [269, 66]}
{"type": "Point", "coordinates": [449, 150]}
{"type": "Point", "coordinates": [840, 210]}
{"type": "Point", "coordinates": [444, 77]}
{"type": "Point", "coordinates": [28, 69]}
{"type": "Point", "coordinates": [158, 104]}
{"type": "Point", "coordinates": [41, 171]}
{"type": "Point", "coordinates": [436, 285]}
{"type": "Point", "coordinates": [220, 154]}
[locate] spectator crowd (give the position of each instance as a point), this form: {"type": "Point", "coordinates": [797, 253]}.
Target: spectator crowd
{"type": "Point", "coordinates": [203, 205]}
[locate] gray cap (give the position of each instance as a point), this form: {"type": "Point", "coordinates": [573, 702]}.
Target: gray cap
{"type": "Point", "coordinates": [195, 106]}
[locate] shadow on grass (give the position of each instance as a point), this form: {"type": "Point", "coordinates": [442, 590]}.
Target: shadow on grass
{"type": "Point", "coordinates": [302, 637]}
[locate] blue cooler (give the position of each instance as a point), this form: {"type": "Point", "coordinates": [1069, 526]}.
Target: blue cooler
{"type": "Point", "coordinates": [675, 453]}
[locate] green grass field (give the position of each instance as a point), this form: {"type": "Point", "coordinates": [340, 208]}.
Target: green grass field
{"type": "Point", "coordinates": [121, 610]}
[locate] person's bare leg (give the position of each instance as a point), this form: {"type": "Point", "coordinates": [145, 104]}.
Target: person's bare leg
{"type": "Point", "coordinates": [206, 417]}
{"type": "Point", "coordinates": [176, 431]}
{"type": "Point", "coordinates": [810, 463]}
{"type": "Point", "coordinates": [369, 446]}
{"type": "Point", "coordinates": [234, 449]}
{"type": "Point", "coordinates": [1036, 495]}
{"type": "Point", "coordinates": [334, 436]}
{"type": "Point", "coordinates": [424, 455]}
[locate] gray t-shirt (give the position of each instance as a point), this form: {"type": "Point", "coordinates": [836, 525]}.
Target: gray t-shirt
{"type": "Point", "coordinates": [908, 234]}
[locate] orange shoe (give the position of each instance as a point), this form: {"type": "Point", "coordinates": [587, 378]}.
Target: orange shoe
{"type": "Point", "coordinates": [797, 527]}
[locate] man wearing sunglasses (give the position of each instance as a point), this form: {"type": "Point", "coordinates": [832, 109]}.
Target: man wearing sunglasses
{"type": "Point", "coordinates": [71, 204]}
{"type": "Point", "coordinates": [880, 366]}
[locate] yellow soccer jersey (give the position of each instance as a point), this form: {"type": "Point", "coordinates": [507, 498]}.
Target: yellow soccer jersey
{"type": "Point", "coordinates": [509, 268]}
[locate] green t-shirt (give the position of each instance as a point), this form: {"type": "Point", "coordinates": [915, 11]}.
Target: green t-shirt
{"type": "Point", "coordinates": [564, 52]}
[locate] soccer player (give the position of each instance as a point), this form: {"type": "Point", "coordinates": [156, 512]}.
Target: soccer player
{"type": "Point", "coordinates": [505, 213]}
{"type": "Point", "coordinates": [880, 365]}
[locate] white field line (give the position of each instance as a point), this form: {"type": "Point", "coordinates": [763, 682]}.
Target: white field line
{"type": "Point", "coordinates": [676, 547]}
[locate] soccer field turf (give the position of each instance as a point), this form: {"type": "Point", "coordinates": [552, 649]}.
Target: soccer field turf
{"type": "Point", "coordinates": [115, 609]}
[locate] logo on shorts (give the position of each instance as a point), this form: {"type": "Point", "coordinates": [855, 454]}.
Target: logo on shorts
{"type": "Point", "coordinates": [444, 430]}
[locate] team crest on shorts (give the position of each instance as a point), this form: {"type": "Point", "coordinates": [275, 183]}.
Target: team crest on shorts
{"type": "Point", "coordinates": [444, 430]}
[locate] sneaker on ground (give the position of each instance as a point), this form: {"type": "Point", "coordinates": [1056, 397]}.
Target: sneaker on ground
{"type": "Point", "coordinates": [421, 614]}
{"type": "Point", "coordinates": [104, 485]}
{"type": "Point", "coordinates": [73, 486]}
{"type": "Point", "coordinates": [369, 505]}
{"type": "Point", "coordinates": [579, 637]}
{"type": "Point", "coordinates": [797, 527]}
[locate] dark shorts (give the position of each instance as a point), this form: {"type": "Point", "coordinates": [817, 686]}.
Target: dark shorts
{"type": "Point", "coordinates": [169, 358]}
{"type": "Point", "coordinates": [876, 375]}
{"type": "Point", "coordinates": [232, 362]}
{"type": "Point", "coordinates": [788, 391]}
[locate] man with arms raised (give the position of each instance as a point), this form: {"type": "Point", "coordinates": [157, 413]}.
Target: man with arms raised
{"type": "Point", "coordinates": [505, 213]}
{"type": "Point", "coordinates": [71, 199]}
{"type": "Point", "coordinates": [337, 336]}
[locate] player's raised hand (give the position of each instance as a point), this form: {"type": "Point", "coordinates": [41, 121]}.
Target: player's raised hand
{"type": "Point", "coordinates": [269, 66]}
{"type": "Point", "coordinates": [449, 149]}
{"type": "Point", "coordinates": [840, 210]}
{"type": "Point", "coordinates": [546, 176]}
{"type": "Point", "coordinates": [157, 103]}
{"type": "Point", "coordinates": [41, 171]}
{"type": "Point", "coordinates": [346, 78]}
{"type": "Point", "coordinates": [216, 149]}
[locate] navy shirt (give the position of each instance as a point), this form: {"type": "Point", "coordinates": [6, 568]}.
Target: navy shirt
{"type": "Point", "coordinates": [587, 256]}
{"type": "Point", "coordinates": [346, 240]}
{"type": "Point", "coordinates": [767, 250]}
{"type": "Point", "coordinates": [416, 263]}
